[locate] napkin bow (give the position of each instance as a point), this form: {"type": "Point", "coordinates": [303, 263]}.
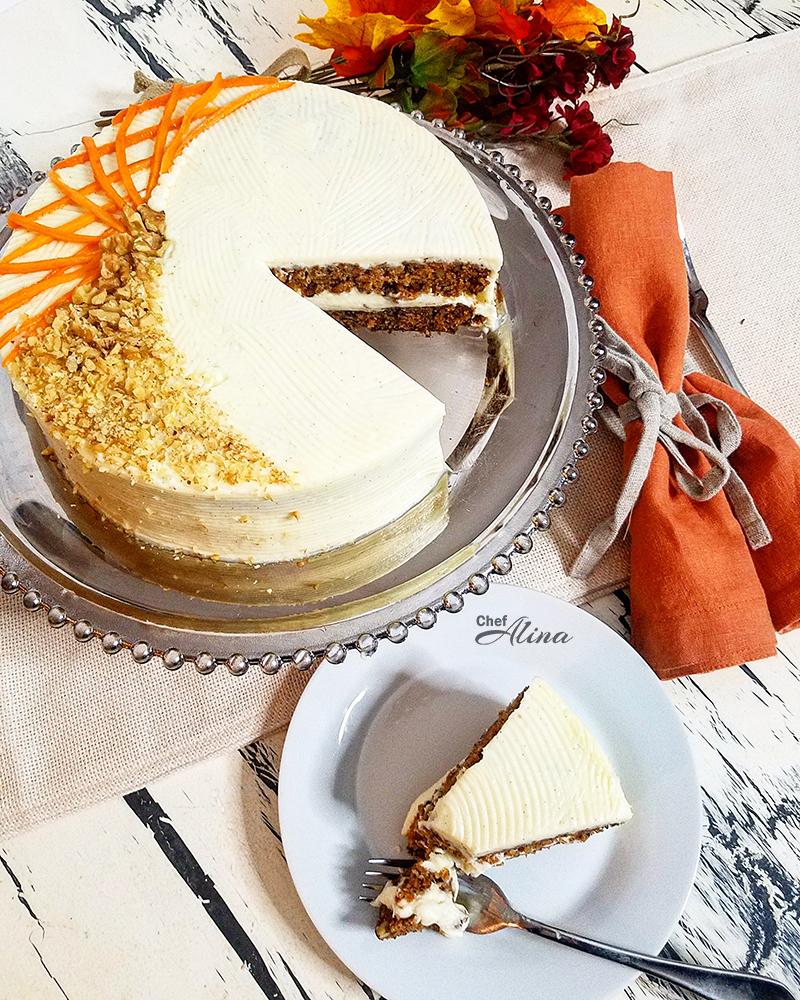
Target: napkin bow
{"type": "Point", "coordinates": [656, 408]}
{"type": "Point", "coordinates": [706, 589]}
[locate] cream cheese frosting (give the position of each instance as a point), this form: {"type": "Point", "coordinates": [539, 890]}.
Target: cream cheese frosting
{"type": "Point", "coordinates": [331, 301]}
{"type": "Point", "coordinates": [541, 777]}
{"type": "Point", "coordinates": [306, 175]}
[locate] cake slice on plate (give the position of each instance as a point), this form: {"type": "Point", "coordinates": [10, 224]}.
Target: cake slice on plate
{"type": "Point", "coordinates": [536, 777]}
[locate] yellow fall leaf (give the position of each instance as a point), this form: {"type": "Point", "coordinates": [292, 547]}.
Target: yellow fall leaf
{"type": "Point", "coordinates": [572, 19]}
{"type": "Point", "coordinates": [453, 17]}
{"type": "Point", "coordinates": [370, 31]}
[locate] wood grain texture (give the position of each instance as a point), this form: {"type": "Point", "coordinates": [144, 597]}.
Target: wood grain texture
{"type": "Point", "coordinates": [749, 18]}
{"type": "Point", "coordinates": [182, 890]}
{"type": "Point", "coordinates": [743, 725]}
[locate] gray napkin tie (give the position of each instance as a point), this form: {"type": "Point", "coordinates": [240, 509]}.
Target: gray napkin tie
{"type": "Point", "coordinates": [657, 409]}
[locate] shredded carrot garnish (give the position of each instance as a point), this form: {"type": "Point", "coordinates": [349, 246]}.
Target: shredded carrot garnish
{"type": "Point", "coordinates": [187, 90]}
{"type": "Point", "coordinates": [133, 137]}
{"type": "Point", "coordinates": [86, 203]}
{"type": "Point", "coordinates": [251, 81]}
{"type": "Point", "coordinates": [234, 105]}
{"type": "Point", "coordinates": [63, 232]}
{"type": "Point", "coordinates": [91, 188]}
{"type": "Point", "coordinates": [191, 90]}
{"type": "Point", "coordinates": [66, 232]}
{"type": "Point", "coordinates": [47, 263]}
{"type": "Point", "coordinates": [200, 115]}
{"type": "Point", "coordinates": [161, 140]}
{"type": "Point", "coordinates": [153, 102]}
{"type": "Point", "coordinates": [143, 134]}
{"type": "Point", "coordinates": [107, 147]}
{"type": "Point", "coordinates": [96, 163]}
{"type": "Point", "coordinates": [51, 207]}
{"type": "Point", "coordinates": [189, 116]}
{"type": "Point", "coordinates": [23, 295]}
{"type": "Point", "coordinates": [122, 159]}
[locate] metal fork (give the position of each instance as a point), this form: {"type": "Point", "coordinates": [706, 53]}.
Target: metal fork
{"type": "Point", "coordinates": [698, 304]}
{"type": "Point", "coordinates": [490, 911]}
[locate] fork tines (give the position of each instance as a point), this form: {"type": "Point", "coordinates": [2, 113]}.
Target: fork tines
{"type": "Point", "coordinates": [384, 869]}
{"type": "Point", "coordinates": [374, 889]}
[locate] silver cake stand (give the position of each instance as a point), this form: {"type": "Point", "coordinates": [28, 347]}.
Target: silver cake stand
{"type": "Point", "coordinates": [519, 414]}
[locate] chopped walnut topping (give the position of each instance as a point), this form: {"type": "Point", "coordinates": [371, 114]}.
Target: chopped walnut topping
{"type": "Point", "coordinates": [107, 381]}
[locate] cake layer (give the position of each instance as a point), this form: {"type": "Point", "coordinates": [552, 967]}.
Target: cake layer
{"type": "Point", "coordinates": [400, 281]}
{"type": "Point", "coordinates": [535, 778]}
{"type": "Point", "coordinates": [388, 288]}
{"type": "Point", "coordinates": [428, 319]}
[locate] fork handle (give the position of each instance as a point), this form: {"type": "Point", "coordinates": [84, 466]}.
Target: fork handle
{"type": "Point", "coordinates": [717, 351]}
{"type": "Point", "coordinates": [714, 984]}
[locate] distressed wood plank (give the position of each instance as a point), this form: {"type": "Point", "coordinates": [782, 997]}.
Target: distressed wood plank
{"type": "Point", "coordinates": [112, 919]}
{"type": "Point", "coordinates": [196, 37]}
{"type": "Point", "coordinates": [747, 17]}
{"type": "Point", "coordinates": [23, 937]}
{"type": "Point", "coordinates": [744, 727]}
{"type": "Point", "coordinates": [665, 35]}
{"type": "Point", "coordinates": [239, 842]}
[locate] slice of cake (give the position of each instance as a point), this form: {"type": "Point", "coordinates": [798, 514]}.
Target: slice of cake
{"type": "Point", "coordinates": [163, 314]}
{"type": "Point", "coordinates": [535, 778]}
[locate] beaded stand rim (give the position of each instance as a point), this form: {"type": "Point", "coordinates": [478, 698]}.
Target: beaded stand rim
{"type": "Point", "coordinates": [452, 601]}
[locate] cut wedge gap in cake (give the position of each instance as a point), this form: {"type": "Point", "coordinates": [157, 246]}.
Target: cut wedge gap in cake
{"type": "Point", "coordinates": [536, 777]}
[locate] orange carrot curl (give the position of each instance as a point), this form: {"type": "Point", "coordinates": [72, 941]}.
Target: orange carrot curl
{"type": "Point", "coordinates": [170, 136]}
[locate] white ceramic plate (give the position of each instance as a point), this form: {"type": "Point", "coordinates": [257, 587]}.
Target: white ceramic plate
{"type": "Point", "coordinates": [368, 736]}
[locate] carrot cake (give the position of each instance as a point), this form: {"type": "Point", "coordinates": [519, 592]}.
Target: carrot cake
{"type": "Point", "coordinates": [176, 307]}
{"type": "Point", "coordinates": [535, 778]}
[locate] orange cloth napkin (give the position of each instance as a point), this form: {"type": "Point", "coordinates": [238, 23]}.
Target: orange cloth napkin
{"type": "Point", "coordinates": [700, 598]}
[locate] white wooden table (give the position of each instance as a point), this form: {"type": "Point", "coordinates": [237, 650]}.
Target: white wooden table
{"type": "Point", "coordinates": [180, 890]}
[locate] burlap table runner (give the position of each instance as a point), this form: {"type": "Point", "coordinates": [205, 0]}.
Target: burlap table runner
{"type": "Point", "coordinates": [77, 726]}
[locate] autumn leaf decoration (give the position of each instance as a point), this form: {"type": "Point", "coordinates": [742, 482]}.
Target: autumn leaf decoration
{"type": "Point", "coordinates": [496, 68]}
